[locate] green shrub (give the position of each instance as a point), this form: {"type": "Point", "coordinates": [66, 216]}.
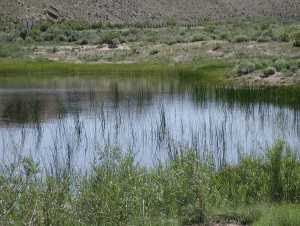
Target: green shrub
{"type": "Point", "coordinates": [43, 26]}
{"type": "Point", "coordinates": [47, 36]}
{"type": "Point", "coordinates": [268, 71]}
{"type": "Point", "coordinates": [154, 51]}
{"type": "Point", "coordinates": [8, 37]}
{"type": "Point", "coordinates": [72, 38]}
{"type": "Point", "coordinates": [198, 37]}
{"type": "Point", "coordinates": [54, 49]}
{"type": "Point", "coordinates": [29, 39]}
{"type": "Point", "coordinates": [296, 36]}
{"type": "Point", "coordinates": [296, 43]}
{"type": "Point", "coordinates": [209, 28]}
{"type": "Point", "coordinates": [83, 42]}
{"type": "Point", "coordinates": [23, 33]}
{"type": "Point", "coordinates": [264, 38]}
{"type": "Point", "coordinates": [110, 38]}
{"type": "Point", "coordinates": [240, 38]}
{"type": "Point", "coordinates": [224, 36]}
{"type": "Point", "coordinates": [61, 38]}
{"type": "Point", "coordinates": [280, 64]}
{"type": "Point", "coordinates": [19, 40]}
{"type": "Point", "coordinates": [244, 68]}
{"type": "Point", "coordinates": [171, 22]}
{"type": "Point", "coordinates": [283, 37]}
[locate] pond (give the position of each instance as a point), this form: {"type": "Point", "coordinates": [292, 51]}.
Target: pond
{"type": "Point", "coordinates": [66, 120]}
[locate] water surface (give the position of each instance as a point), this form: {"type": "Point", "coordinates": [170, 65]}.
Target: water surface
{"type": "Point", "coordinates": [66, 120]}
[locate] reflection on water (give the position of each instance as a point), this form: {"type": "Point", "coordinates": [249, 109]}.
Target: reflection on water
{"type": "Point", "coordinates": [64, 121]}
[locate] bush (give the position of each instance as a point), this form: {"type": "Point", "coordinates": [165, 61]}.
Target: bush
{"type": "Point", "coordinates": [209, 28]}
{"type": "Point", "coordinates": [8, 37]}
{"type": "Point", "coordinates": [154, 51]}
{"type": "Point", "coordinates": [280, 64]}
{"type": "Point", "coordinates": [296, 43]}
{"type": "Point", "coordinates": [224, 36]}
{"type": "Point", "coordinates": [268, 71]}
{"type": "Point", "coordinates": [296, 36]}
{"type": "Point", "coordinates": [244, 68]}
{"type": "Point", "coordinates": [19, 40]}
{"type": "Point", "coordinates": [72, 38]}
{"type": "Point", "coordinates": [54, 49]}
{"type": "Point", "coordinates": [240, 38]}
{"type": "Point", "coordinates": [110, 38]}
{"type": "Point", "coordinates": [43, 26]}
{"type": "Point", "coordinates": [47, 36]}
{"type": "Point", "coordinates": [83, 42]}
{"type": "Point", "coordinates": [61, 38]}
{"type": "Point", "coordinates": [29, 39]}
{"type": "Point", "coordinates": [23, 33]}
{"type": "Point", "coordinates": [264, 38]}
{"type": "Point", "coordinates": [283, 37]}
{"type": "Point", "coordinates": [198, 38]}
{"type": "Point", "coordinates": [172, 22]}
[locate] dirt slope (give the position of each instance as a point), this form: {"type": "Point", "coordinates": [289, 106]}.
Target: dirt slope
{"type": "Point", "coordinates": [146, 10]}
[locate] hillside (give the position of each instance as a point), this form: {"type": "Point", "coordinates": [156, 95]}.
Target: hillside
{"type": "Point", "coordinates": [145, 10]}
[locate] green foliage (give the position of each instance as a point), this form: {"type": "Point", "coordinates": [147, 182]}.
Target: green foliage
{"type": "Point", "coordinates": [268, 71]}
{"type": "Point", "coordinates": [83, 42]}
{"type": "Point", "coordinates": [47, 36]}
{"type": "Point", "coordinates": [75, 26]}
{"type": "Point", "coordinates": [172, 22]}
{"type": "Point", "coordinates": [10, 50]}
{"type": "Point", "coordinates": [43, 25]}
{"type": "Point", "coordinates": [198, 38]}
{"type": "Point", "coordinates": [283, 37]}
{"type": "Point", "coordinates": [209, 28]}
{"type": "Point", "coordinates": [286, 214]}
{"type": "Point", "coordinates": [296, 36]}
{"type": "Point", "coordinates": [110, 38]}
{"type": "Point", "coordinates": [296, 43]}
{"type": "Point", "coordinates": [266, 36]}
{"type": "Point", "coordinates": [23, 33]}
{"type": "Point", "coordinates": [244, 68]}
{"type": "Point", "coordinates": [183, 189]}
{"type": "Point", "coordinates": [280, 64]}
{"type": "Point", "coordinates": [153, 51]}
{"type": "Point", "coordinates": [240, 38]}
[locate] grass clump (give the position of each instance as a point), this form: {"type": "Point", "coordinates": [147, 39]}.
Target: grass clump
{"type": "Point", "coordinates": [240, 38]}
{"type": "Point", "coordinates": [296, 43]}
{"type": "Point", "coordinates": [244, 68]}
{"type": "Point", "coordinates": [286, 214]}
{"type": "Point", "coordinates": [154, 51]}
{"type": "Point", "coordinates": [268, 71]}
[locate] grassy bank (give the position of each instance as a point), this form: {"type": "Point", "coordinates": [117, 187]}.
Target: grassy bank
{"type": "Point", "coordinates": [185, 189]}
{"type": "Point", "coordinates": [258, 49]}
{"type": "Point", "coordinates": [52, 67]}
{"type": "Point", "coordinates": [206, 72]}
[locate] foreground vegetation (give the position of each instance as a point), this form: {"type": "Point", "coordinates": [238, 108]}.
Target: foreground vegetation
{"type": "Point", "coordinates": [184, 189]}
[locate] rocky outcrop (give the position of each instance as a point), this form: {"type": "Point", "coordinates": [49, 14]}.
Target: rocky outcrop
{"type": "Point", "coordinates": [147, 10]}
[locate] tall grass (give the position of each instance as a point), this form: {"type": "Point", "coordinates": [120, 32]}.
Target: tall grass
{"type": "Point", "coordinates": [50, 67]}
{"type": "Point", "coordinates": [184, 189]}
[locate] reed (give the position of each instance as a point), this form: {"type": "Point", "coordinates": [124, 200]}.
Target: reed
{"type": "Point", "coordinates": [184, 189]}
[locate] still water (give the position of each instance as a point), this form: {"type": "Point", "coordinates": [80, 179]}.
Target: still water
{"type": "Point", "coordinates": [66, 120]}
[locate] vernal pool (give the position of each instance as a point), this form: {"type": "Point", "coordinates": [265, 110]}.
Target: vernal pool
{"type": "Point", "coordinates": [61, 120]}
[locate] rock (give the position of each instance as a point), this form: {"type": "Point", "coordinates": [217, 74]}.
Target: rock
{"type": "Point", "coordinates": [52, 14]}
